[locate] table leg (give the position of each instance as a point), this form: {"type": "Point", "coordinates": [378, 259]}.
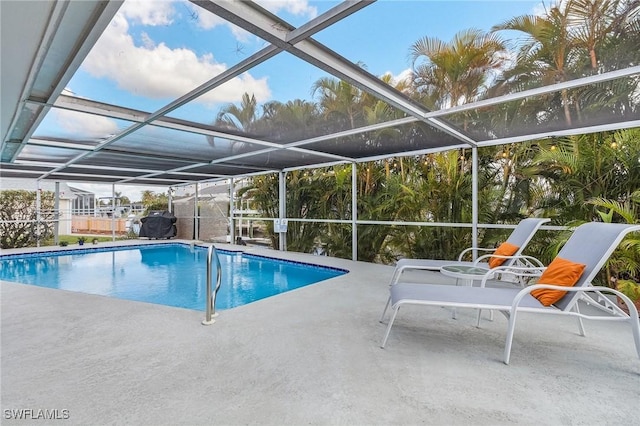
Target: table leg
{"type": "Point", "coordinates": [468, 283]}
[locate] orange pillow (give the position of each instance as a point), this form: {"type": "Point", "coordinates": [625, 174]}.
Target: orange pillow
{"type": "Point", "coordinates": [505, 249]}
{"type": "Point", "coordinates": [559, 272]}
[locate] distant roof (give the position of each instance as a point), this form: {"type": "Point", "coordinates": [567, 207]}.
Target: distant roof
{"type": "Point", "coordinates": [80, 191]}
{"type": "Point", "coordinates": [217, 193]}
{"type": "Point", "coordinates": [214, 190]}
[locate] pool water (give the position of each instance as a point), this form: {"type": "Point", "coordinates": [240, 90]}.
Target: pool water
{"type": "Point", "coordinates": [165, 274]}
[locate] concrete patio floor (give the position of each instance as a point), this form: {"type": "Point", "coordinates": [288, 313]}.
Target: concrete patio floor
{"type": "Point", "coordinates": [309, 356]}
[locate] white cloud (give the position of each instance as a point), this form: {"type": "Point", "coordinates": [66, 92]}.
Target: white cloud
{"type": "Point", "coordinates": [207, 20]}
{"type": "Point", "coordinates": [148, 12]}
{"type": "Point", "coordinates": [90, 126]}
{"type": "Point", "coordinates": [404, 76]}
{"type": "Point", "coordinates": [147, 41]}
{"type": "Point", "coordinates": [155, 70]}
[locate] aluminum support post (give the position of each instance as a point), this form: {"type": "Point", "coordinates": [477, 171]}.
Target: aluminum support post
{"type": "Point", "coordinates": [56, 215]}
{"type": "Point", "coordinates": [196, 216]}
{"type": "Point", "coordinates": [282, 210]}
{"type": "Point", "coordinates": [354, 210]}
{"type": "Point", "coordinates": [474, 200]}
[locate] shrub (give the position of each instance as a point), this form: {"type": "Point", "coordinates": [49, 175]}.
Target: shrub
{"type": "Point", "coordinates": [19, 226]}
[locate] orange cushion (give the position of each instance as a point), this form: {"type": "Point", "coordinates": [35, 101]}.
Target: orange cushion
{"type": "Point", "coordinates": [559, 272]}
{"type": "Point", "coordinates": [505, 249]}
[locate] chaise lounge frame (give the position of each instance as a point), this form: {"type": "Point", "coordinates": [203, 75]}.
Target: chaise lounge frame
{"type": "Point", "coordinates": [590, 244]}
{"type": "Point", "coordinates": [519, 237]}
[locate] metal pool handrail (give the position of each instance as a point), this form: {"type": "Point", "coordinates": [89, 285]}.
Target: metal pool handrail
{"type": "Point", "coordinates": [211, 293]}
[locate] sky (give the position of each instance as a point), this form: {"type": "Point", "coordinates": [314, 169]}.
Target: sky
{"type": "Point", "coordinates": [155, 51]}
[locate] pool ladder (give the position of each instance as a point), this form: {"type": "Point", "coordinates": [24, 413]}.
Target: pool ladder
{"type": "Point", "coordinates": [212, 292]}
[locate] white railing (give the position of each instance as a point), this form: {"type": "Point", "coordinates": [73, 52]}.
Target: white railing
{"type": "Point", "coordinates": [211, 291]}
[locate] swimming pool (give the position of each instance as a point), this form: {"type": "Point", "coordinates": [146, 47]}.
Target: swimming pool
{"type": "Point", "coordinates": [168, 274]}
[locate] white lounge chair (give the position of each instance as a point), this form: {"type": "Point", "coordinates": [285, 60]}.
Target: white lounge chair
{"type": "Point", "coordinates": [520, 237]}
{"type": "Point", "coordinates": [591, 244]}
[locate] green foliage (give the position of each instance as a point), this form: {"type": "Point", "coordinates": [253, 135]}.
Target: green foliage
{"type": "Point", "coordinates": [19, 225]}
{"type": "Point", "coordinates": [585, 167]}
{"type": "Point", "coordinates": [152, 201]}
{"type": "Point", "coordinates": [629, 288]}
{"type": "Point", "coordinates": [123, 200]}
{"type": "Point", "coordinates": [625, 261]}
{"type": "Point", "coordinates": [456, 72]}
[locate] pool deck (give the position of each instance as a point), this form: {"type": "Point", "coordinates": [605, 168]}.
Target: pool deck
{"type": "Point", "coordinates": [310, 356]}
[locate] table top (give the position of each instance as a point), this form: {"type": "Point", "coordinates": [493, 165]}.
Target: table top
{"type": "Point", "coordinates": [468, 272]}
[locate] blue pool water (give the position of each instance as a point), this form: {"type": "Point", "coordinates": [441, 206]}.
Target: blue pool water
{"type": "Point", "coordinates": [166, 274]}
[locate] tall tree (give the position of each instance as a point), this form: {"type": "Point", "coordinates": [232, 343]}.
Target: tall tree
{"type": "Point", "coordinates": [591, 22]}
{"type": "Point", "coordinates": [456, 72]}
{"type": "Point", "coordinates": [290, 121]}
{"type": "Point", "coordinates": [241, 117]}
{"type": "Point", "coordinates": [339, 102]}
{"type": "Point", "coordinates": [546, 53]}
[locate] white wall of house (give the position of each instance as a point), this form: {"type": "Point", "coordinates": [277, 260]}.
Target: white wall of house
{"type": "Point", "coordinates": [64, 224]}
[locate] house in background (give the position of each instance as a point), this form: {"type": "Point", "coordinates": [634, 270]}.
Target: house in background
{"type": "Point", "coordinates": [67, 197]}
{"type": "Point", "coordinates": [85, 202]}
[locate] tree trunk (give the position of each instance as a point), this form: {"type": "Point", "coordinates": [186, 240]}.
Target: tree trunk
{"type": "Point", "coordinates": [565, 104]}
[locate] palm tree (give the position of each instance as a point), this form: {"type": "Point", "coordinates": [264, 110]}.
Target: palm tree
{"type": "Point", "coordinates": [241, 117]}
{"type": "Point", "coordinates": [339, 102]}
{"type": "Point", "coordinates": [546, 54]}
{"type": "Point", "coordinates": [293, 120]}
{"type": "Point", "coordinates": [591, 22]}
{"type": "Point", "coordinates": [605, 31]}
{"type": "Point", "coordinates": [457, 72]}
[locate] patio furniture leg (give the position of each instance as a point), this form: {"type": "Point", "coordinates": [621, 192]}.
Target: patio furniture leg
{"type": "Point", "coordinates": [480, 313]}
{"type": "Point", "coordinates": [396, 275]}
{"type": "Point", "coordinates": [454, 313]}
{"type": "Point", "coordinates": [386, 335]}
{"type": "Point", "coordinates": [635, 329]}
{"type": "Point", "coordinates": [510, 332]}
{"type": "Point", "coordinates": [635, 324]}
{"type": "Point", "coordinates": [580, 323]}
{"type": "Point", "coordinates": [385, 309]}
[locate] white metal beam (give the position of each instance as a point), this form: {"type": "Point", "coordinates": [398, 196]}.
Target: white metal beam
{"type": "Point", "coordinates": [81, 39]}
{"type": "Point", "coordinates": [53, 21]}
{"type": "Point", "coordinates": [59, 144]}
{"type": "Point", "coordinates": [559, 133]}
